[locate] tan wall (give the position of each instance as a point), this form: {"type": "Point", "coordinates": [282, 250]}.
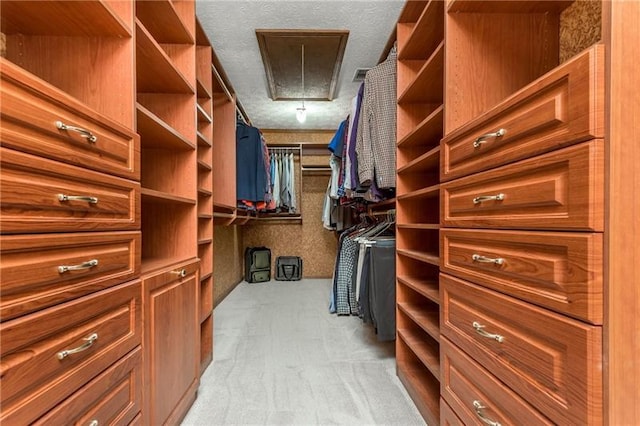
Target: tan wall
{"type": "Point", "coordinates": [227, 260]}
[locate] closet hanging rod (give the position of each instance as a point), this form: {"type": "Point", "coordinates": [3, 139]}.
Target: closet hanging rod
{"type": "Point", "coordinates": [384, 213]}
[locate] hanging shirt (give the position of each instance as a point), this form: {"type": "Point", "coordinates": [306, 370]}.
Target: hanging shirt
{"type": "Point", "coordinates": [337, 142]}
{"type": "Point", "coordinates": [292, 185]}
{"type": "Point", "coordinates": [251, 176]}
{"type": "Point", "coordinates": [376, 143]}
{"type": "Point", "coordinates": [353, 138]}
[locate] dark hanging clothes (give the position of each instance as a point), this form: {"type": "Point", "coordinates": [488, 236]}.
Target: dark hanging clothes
{"type": "Point", "coordinates": [251, 175]}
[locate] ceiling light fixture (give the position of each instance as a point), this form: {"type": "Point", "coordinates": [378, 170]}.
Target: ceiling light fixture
{"type": "Point", "coordinates": [301, 113]}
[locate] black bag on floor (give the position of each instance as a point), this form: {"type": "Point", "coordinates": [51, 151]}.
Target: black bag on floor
{"type": "Point", "coordinates": [257, 264]}
{"type": "Point", "coordinates": [288, 268]}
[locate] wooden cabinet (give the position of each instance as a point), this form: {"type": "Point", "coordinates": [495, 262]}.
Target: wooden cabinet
{"type": "Point", "coordinates": [538, 165]}
{"type": "Point", "coordinates": [420, 45]}
{"type": "Point", "coordinates": [171, 342]}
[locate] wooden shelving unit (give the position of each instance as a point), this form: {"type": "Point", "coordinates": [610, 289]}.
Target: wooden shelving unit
{"type": "Point", "coordinates": [204, 108]}
{"type": "Point", "coordinates": [420, 33]}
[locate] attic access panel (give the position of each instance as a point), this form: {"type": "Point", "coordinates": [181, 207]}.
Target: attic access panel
{"type": "Point", "coordinates": [281, 52]}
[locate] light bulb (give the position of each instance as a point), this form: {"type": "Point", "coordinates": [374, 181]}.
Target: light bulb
{"type": "Point", "coordinates": [301, 114]}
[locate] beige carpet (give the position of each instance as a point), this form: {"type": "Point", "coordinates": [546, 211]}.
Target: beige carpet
{"type": "Point", "coordinates": [280, 358]}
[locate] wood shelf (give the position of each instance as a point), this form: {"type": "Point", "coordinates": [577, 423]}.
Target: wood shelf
{"type": "Point", "coordinates": [205, 241]}
{"type": "Point", "coordinates": [152, 264]}
{"type": "Point", "coordinates": [163, 21]}
{"type": "Point", "coordinates": [428, 161]}
{"type": "Point", "coordinates": [155, 70]}
{"type": "Point", "coordinates": [500, 6]}
{"type": "Point", "coordinates": [427, 86]}
{"type": "Point", "coordinates": [427, 352]}
{"type": "Point", "coordinates": [63, 18]}
{"type": "Point", "coordinates": [425, 257]}
{"type": "Point", "coordinates": [202, 90]}
{"type": "Point", "coordinates": [424, 389]}
{"type": "Point", "coordinates": [158, 197]}
{"type": "Point", "coordinates": [205, 192]}
{"type": "Point", "coordinates": [412, 11]}
{"type": "Point", "coordinates": [203, 117]}
{"type": "Point", "coordinates": [420, 226]}
{"type": "Point", "coordinates": [205, 216]}
{"type": "Point", "coordinates": [429, 192]}
{"type": "Point", "coordinates": [203, 140]}
{"type": "Point", "coordinates": [426, 287]}
{"type": "Point", "coordinates": [425, 33]}
{"type": "Point", "coordinates": [204, 166]}
{"type": "Point", "coordinates": [429, 321]}
{"type": "Point", "coordinates": [428, 132]}
{"type": "Point", "coordinates": [156, 133]}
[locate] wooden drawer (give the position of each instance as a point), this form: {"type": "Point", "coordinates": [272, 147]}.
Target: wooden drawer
{"type": "Point", "coordinates": [560, 190]}
{"type": "Point", "coordinates": [447, 416]}
{"type": "Point", "coordinates": [552, 362]}
{"type": "Point", "coordinates": [112, 398]}
{"type": "Point", "coordinates": [33, 190]}
{"type": "Point", "coordinates": [562, 107]}
{"type": "Point", "coordinates": [561, 271]}
{"type": "Point", "coordinates": [36, 374]}
{"type": "Point", "coordinates": [31, 108]}
{"type": "Point", "coordinates": [31, 278]}
{"type": "Point", "coordinates": [476, 396]}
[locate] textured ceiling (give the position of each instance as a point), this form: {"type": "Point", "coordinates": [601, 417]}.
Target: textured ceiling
{"type": "Point", "coordinates": [231, 25]}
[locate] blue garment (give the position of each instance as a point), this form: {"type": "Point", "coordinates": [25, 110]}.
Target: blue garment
{"type": "Point", "coordinates": [337, 143]}
{"type": "Point", "coordinates": [251, 175]}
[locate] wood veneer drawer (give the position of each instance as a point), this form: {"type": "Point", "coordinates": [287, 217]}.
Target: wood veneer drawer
{"type": "Point", "coordinates": [563, 107]}
{"type": "Point", "coordinates": [476, 396]}
{"type": "Point", "coordinates": [30, 111]}
{"type": "Point", "coordinates": [36, 372]}
{"type": "Point", "coordinates": [551, 361]}
{"type": "Point", "coordinates": [559, 190]}
{"type": "Point", "coordinates": [112, 398]}
{"type": "Point", "coordinates": [38, 196]}
{"type": "Point", "coordinates": [447, 416]}
{"type": "Point", "coordinates": [32, 278]}
{"type": "Point", "coordinates": [561, 271]}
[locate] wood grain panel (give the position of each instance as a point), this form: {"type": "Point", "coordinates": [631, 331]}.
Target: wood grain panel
{"type": "Point", "coordinates": [31, 188]}
{"type": "Point", "coordinates": [553, 362]}
{"type": "Point", "coordinates": [228, 261]}
{"type": "Point", "coordinates": [466, 386]}
{"type": "Point", "coordinates": [34, 379]}
{"type": "Point", "coordinates": [559, 190]}
{"type": "Point", "coordinates": [560, 271]}
{"type": "Point", "coordinates": [563, 107]}
{"type": "Point", "coordinates": [114, 397]}
{"type": "Point", "coordinates": [30, 109]}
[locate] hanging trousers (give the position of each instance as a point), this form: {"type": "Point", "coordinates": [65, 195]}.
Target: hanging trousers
{"type": "Point", "coordinates": [382, 292]}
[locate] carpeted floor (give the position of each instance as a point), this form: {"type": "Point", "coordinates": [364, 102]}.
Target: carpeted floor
{"type": "Point", "coordinates": [280, 358]}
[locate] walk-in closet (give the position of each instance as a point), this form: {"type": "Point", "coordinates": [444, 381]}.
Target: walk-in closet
{"type": "Point", "coordinates": [319, 212]}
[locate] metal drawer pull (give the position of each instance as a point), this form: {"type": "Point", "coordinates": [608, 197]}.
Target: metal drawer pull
{"type": "Point", "coordinates": [479, 329]}
{"type": "Point", "coordinates": [481, 139]}
{"type": "Point", "coordinates": [84, 265]}
{"type": "Point", "coordinates": [89, 342]}
{"type": "Point", "coordinates": [83, 132]}
{"type": "Point", "coordinates": [94, 423]}
{"type": "Point", "coordinates": [180, 272]}
{"type": "Point", "coordinates": [88, 199]}
{"type": "Point", "coordinates": [483, 259]}
{"type": "Point", "coordinates": [479, 407]}
{"type": "Point", "coordinates": [481, 198]}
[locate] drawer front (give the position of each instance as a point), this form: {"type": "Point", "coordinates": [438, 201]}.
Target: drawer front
{"type": "Point", "coordinates": [563, 107]}
{"type": "Point", "coordinates": [552, 362]}
{"type": "Point", "coordinates": [49, 355]}
{"type": "Point", "coordinates": [114, 397]}
{"type": "Point", "coordinates": [447, 416]}
{"type": "Point", "coordinates": [38, 196]}
{"type": "Point", "coordinates": [476, 396]}
{"type": "Point", "coordinates": [30, 112]}
{"type": "Point", "coordinates": [31, 274]}
{"type": "Point", "coordinates": [561, 271]}
{"type": "Point", "coordinates": [559, 190]}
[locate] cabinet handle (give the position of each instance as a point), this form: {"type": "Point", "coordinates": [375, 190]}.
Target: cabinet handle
{"type": "Point", "coordinates": [88, 343]}
{"type": "Point", "coordinates": [88, 199]}
{"type": "Point", "coordinates": [481, 139]}
{"type": "Point", "coordinates": [180, 272]}
{"type": "Point", "coordinates": [83, 132]}
{"type": "Point", "coordinates": [481, 198]}
{"type": "Point", "coordinates": [477, 405]}
{"type": "Point", "coordinates": [84, 265]}
{"type": "Point", "coordinates": [483, 259]}
{"type": "Point", "coordinates": [479, 329]}
{"type": "Point", "coordinates": [94, 422]}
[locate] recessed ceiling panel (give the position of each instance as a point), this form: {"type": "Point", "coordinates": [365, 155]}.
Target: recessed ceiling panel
{"type": "Point", "coordinates": [282, 58]}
